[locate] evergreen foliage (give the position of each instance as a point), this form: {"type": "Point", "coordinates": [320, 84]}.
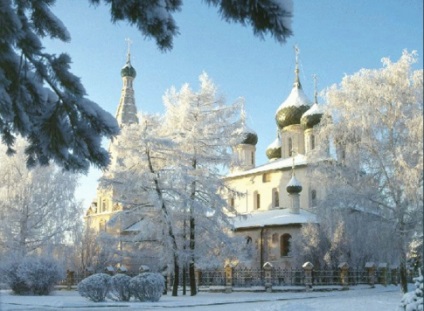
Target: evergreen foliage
{"type": "Point", "coordinates": [42, 101]}
{"type": "Point", "coordinates": [413, 301]}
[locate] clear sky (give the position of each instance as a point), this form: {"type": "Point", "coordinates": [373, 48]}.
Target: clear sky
{"type": "Point", "coordinates": [335, 37]}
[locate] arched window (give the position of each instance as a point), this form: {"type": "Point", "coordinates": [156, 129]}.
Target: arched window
{"type": "Point", "coordinates": [253, 158]}
{"type": "Point", "coordinates": [275, 197]}
{"type": "Point", "coordinates": [285, 241]}
{"type": "Point", "coordinates": [290, 146]}
{"type": "Point", "coordinates": [231, 202]}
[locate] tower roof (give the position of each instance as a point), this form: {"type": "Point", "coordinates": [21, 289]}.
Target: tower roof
{"type": "Point", "coordinates": [291, 110]}
{"type": "Point", "coordinates": [247, 135]}
{"type": "Point", "coordinates": [127, 110]}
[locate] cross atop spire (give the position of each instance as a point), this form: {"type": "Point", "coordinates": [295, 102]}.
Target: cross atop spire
{"type": "Point", "coordinates": [129, 42]}
{"type": "Point", "coordinates": [243, 114]}
{"type": "Point", "coordinates": [315, 89]}
{"type": "Point", "coordinates": [296, 71]}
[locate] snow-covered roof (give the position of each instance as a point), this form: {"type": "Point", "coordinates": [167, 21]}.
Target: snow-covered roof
{"type": "Point", "coordinates": [275, 144]}
{"type": "Point", "coordinates": [297, 98]}
{"type": "Point", "coordinates": [274, 217]}
{"type": "Point", "coordinates": [299, 159]}
{"type": "Point", "coordinates": [315, 109]}
{"type": "Point", "coordinates": [294, 182]}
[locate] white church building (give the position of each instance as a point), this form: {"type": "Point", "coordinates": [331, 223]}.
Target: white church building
{"type": "Point", "coordinates": [276, 198]}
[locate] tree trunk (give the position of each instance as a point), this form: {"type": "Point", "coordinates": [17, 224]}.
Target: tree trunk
{"type": "Point", "coordinates": [403, 275]}
{"type": "Point", "coordinates": [176, 277]}
{"type": "Point", "coordinates": [193, 288]}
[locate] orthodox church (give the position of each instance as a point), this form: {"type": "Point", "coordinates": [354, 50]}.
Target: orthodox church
{"type": "Point", "coordinates": [275, 198]}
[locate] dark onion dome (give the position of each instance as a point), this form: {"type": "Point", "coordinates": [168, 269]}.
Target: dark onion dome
{"type": "Point", "coordinates": [245, 135]}
{"type": "Point", "coordinates": [294, 186]}
{"type": "Point", "coordinates": [292, 109]}
{"type": "Point", "coordinates": [128, 70]}
{"type": "Point", "coordinates": [311, 117]}
{"type": "Point", "coordinates": [274, 150]}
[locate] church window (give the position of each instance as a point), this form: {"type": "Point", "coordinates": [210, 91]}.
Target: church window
{"type": "Point", "coordinates": [313, 197]}
{"type": "Point", "coordinates": [285, 241]}
{"type": "Point", "coordinates": [231, 202]}
{"type": "Point", "coordinates": [256, 200]}
{"type": "Point", "coordinates": [253, 158]}
{"type": "Point", "coordinates": [266, 177]}
{"type": "Point", "coordinates": [102, 225]}
{"type": "Point", "coordinates": [104, 206]}
{"type": "Point", "coordinates": [290, 146]}
{"type": "Point", "coordinates": [312, 142]}
{"type": "Point", "coordinates": [275, 197]}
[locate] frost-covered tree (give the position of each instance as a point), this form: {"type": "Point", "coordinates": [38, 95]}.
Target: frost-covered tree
{"type": "Point", "coordinates": [202, 127]}
{"type": "Point", "coordinates": [171, 165]}
{"type": "Point", "coordinates": [37, 207]}
{"type": "Point", "coordinates": [377, 130]}
{"type": "Point", "coordinates": [143, 183]}
{"type": "Point", "coordinates": [42, 101]}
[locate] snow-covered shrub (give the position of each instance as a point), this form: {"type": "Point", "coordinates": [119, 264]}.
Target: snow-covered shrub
{"type": "Point", "coordinates": [95, 287]}
{"type": "Point", "coordinates": [120, 287]}
{"type": "Point", "coordinates": [147, 286]}
{"type": "Point", "coordinates": [32, 275]}
{"type": "Point", "coordinates": [413, 301]}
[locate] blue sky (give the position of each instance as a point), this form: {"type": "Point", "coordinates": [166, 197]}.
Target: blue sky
{"type": "Point", "coordinates": [335, 37]}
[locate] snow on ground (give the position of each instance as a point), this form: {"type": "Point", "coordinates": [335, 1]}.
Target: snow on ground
{"type": "Point", "coordinates": [361, 298]}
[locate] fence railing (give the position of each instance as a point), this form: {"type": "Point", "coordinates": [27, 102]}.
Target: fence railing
{"type": "Point", "coordinates": [271, 277]}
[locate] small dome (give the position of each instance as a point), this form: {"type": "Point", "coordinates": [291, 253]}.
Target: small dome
{"type": "Point", "coordinates": [128, 71]}
{"type": "Point", "coordinates": [247, 136]}
{"type": "Point", "coordinates": [312, 117]}
{"type": "Point", "coordinates": [274, 150]}
{"type": "Point", "coordinates": [292, 109]}
{"type": "Point", "coordinates": [294, 186]}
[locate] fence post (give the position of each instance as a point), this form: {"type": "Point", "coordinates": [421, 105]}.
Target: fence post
{"type": "Point", "coordinates": [382, 266]}
{"type": "Point", "coordinates": [370, 266]}
{"type": "Point", "coordinates": [228, 278]}
{"type": "Point", "coordinates": [70, 278]}
{"type": "Point", "coordinates": [307, 267]}
{"type": "Point", "coordinates": [268, 277]}
{"type": "Point", "coordinates": [394, 273]}
{"type": "Point", "coordinates": [344, 275]}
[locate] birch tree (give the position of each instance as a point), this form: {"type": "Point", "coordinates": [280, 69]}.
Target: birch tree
{"type": "Point", "coordinates": [377, 130]}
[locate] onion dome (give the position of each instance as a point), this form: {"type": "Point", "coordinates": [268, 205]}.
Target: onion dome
{"type": "Point", "coordinates": [312, 117]}
{"type": "Point", "coordinates": [247, 135]}
{"type": "Point", "coordinates": [294, 185]}
{"type": "Point", "coordinates": [292, 109]}
{"type": "Point", "coordinates": [274, 149]}
{"type": "Point", "coordinates": [128, 70]}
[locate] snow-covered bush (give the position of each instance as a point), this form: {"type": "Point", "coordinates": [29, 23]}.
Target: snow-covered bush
{"type": "Point", "coordinates": [120, 287]}
{"type": "Point", "coordinates": [413, 301]}
{"type": "Point", "coordinates": [147, 286]}
{"type": "Point", "coordinates": [95, 287]}
{"type": "Point", "coordinates": [32, 275]}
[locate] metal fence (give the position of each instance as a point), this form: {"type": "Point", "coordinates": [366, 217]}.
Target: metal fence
{"type": "Point", "coordinates": [247, 277]}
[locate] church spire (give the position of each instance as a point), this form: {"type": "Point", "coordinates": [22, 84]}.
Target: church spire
{"type": "Point", "coordinates": [127, 110]}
